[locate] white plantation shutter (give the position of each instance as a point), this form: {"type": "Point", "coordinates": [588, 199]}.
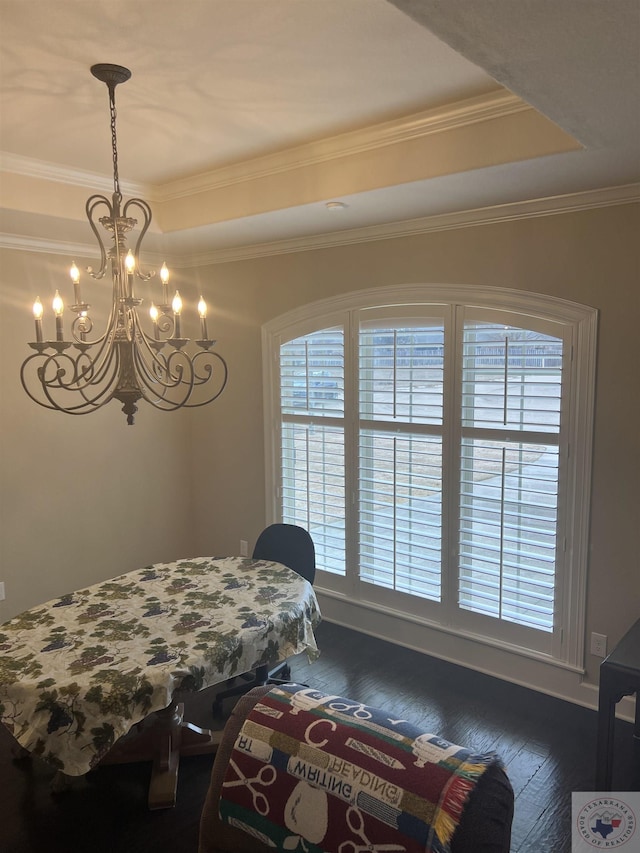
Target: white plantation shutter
{"type": "Point", "coordinates": [312, 375]}
{"type": "Point", "coordinates": [509, 494]}
{"type": "Point", "coordinates": [312, 453]}
{"type": "Point", "coordinates": [401, 372]}
{"type": "Point", "coordinates": [401, 368]}
{"type": "Point", "coordinates": [511, 393]}
{"type": "Point", "coordinates": [425, 445]}
{"type": "Point", "coordinates": [401, 512]}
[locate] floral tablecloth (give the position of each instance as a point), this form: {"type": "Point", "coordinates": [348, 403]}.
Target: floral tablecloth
{"type": "Point", "coordinates": [78, 672]}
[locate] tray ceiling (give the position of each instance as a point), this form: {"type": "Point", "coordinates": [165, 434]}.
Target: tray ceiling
{"type": "Point", "coordinates": [242, 120]}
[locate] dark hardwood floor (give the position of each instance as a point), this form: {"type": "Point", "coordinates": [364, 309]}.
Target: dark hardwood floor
{"type": "Point", "coordinates": [548, 746]}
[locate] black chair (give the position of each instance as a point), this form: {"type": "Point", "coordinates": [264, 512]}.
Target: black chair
{"type": "Point", "coordinates": [292, 546]}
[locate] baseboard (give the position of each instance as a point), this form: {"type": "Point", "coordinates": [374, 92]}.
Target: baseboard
{"type": "Point", "coordinates": [499, 663]}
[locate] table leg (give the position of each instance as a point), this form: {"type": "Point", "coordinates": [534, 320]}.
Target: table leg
{"type": "Point", "coordinates": [163, 738]}
{"type": "Point", "coordinates": [166, 760]}
{"type": "Point", "coordinates": [176, 738]}
{"type": "Point", "coordinates": [606, 721]}
{"type": "Point", "coordinates": [197, 741]}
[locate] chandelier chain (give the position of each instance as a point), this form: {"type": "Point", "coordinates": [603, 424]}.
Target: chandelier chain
{"type": "Point", "coordinates": [114, 140]}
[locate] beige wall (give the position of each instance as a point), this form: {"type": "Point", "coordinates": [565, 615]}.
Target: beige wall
{"type": "Point", "coordinates": [590, 257]}
{"type": "Point", "coordinates": [85, 498]}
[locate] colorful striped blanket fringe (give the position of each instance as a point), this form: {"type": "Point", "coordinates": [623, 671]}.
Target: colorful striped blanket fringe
{"type": "Point", "coordinates": [324, 774]}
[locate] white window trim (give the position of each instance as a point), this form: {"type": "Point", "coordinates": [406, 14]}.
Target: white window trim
{"type": "Point", "coordinates": [569, 652]}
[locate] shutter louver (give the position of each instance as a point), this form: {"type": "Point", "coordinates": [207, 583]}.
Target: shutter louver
{"type": "Point", "coordinates": [511, 387]}
{"type": "Point", "coordinates": [400, 456]}
{"type": "Point", "coordinates": [312, 394]}
{"type": "Point", "coordinates": [312, 375]}
{"type": "Point", "coordinates": [401, 512]}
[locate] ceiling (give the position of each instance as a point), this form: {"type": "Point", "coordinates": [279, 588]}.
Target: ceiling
{"type": "Point", "coordinates": [243, 120]}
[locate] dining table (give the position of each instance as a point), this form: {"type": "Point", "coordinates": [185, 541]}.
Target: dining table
{"type": "Point", "coordinates": [96, 675]}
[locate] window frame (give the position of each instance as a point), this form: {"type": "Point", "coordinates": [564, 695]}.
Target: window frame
{"type": "Point", "coordinates": [580, 323]}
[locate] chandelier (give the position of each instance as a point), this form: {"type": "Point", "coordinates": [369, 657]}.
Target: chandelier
{"type": "Point", "coordinates": [80, 373]}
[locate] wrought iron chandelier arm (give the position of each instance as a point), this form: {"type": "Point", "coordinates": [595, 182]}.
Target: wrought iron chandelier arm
{"type": "Point", "coordinates": [165, 373]}
{"type": "Point", "coordinates": [142, 205]}
{"type": "Point", "coordinates": [64, 373]}
{"type": "Point", "coordinates": [102, 369]}
{"type": "Point", "coordinates": [94, 202]}
{"type": "Point", "coordinates": [101, 393]}
{"type": "Point", "coordinates": [206, 359]}
{"type": "Point", "coordinates": [203, 367]}
{"type": "Point", "coordinates": [196, 374]}
{"type": "Point", "coordinates": [150, 357]}
{"type": "Point", "coordinates": [95, 360]}
{"type": "Point", "coordinates": [53, 384]}
{"type": "Point", "coordinates": [82, 325]}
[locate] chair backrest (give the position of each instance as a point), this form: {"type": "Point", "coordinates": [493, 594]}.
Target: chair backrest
{"type": "Point", "coordinates": [290, 545]}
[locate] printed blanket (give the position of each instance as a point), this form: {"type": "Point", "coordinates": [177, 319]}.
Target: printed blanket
{"type": "Point", "coordinates": [325, 774]}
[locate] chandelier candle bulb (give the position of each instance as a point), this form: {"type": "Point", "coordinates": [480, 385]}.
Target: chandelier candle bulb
{"type": "Point", "coordinates": [202, 311]}
{"type": "Point", "coordinates": [164, 275]}
{"type": "Point", "coordinates": [58, 308]}
{"type": "Point", "coordinates": [130, 265]}
{"type": "Point", "coordinates": [74, 272]}
{"type": "Point", "coordinates": [153, 313]}
{"type": "Point", "coordinates": [177, 308]}
{"type": "Point", "coordinates": [38, 311]}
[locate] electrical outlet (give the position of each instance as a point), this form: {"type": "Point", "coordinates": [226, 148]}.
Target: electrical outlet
{"type": "Point", "coordinates": [2, 591]}
{"type": "Point", "coordinates": [599, 645]}
{"type": "Point", "coordinates": [244, 548]}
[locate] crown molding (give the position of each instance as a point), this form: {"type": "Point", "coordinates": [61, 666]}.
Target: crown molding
{"type": "Point", "coordinates": [48, 247]}
{"type": "Point", "coordinates": [550, 206]}
{"type": "Point", "coordinates": [553, 205]}
{"type": "Point", "coordinates": [459, 114]}
{"type": "Point", "coordinates": [44, 171]}
{"type": "Point", "coordinates": [60, 247]}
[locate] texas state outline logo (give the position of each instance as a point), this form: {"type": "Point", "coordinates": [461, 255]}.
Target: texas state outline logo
{"type": "Point", "coordinates": [605, 821]}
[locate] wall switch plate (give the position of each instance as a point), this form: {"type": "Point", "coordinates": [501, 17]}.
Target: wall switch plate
{"type": "Point", "coordinates": [244, 548]}
{"type": "Point", "coordinates": [2, 591]}
{"type": "Point", "coordinates": [599, 645]}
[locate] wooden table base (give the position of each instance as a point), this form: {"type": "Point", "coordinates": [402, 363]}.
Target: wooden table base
{"type": "Point", "coordinates": [161, 738]}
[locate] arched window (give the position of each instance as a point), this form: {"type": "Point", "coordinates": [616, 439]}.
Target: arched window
{"type": "Point", "coordinates": [436, 442]}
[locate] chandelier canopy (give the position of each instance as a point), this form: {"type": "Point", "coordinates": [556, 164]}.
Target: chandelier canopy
{"type": "Point", "coordinates": [80, 374]}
